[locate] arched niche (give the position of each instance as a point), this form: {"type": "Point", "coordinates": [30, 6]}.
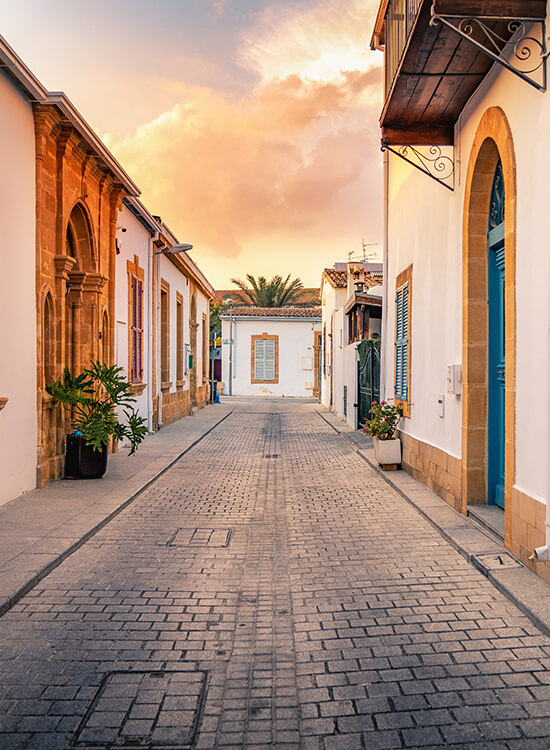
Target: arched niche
{"type": "Point", "coordinates": [79, 241]}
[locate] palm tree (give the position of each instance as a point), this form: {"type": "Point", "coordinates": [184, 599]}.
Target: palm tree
{"type": "Point", "coordinates": [277, 292]}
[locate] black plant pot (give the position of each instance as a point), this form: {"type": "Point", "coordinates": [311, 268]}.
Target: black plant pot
{"type": "Point", "coordinates": [82, 461]}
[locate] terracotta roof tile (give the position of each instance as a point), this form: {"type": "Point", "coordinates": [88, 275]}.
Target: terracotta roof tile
{"type": "Point", "coordinates": [275, 312]}
{"type": "Point", "coordinates": [337, 279]}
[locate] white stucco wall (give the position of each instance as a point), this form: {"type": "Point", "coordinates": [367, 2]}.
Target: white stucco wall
{"type": "Point", "coordinates": [425, 229]}
{"type": "Point", "coordinates": [332, 300]}
{"type": "Point", "coordinates": [135, 241]}
{"type": "Point", "coordinates": [350, 381]}
{"type": "Point", "coordinates": [339, 321]}
{"type": "Point", "coordinates": [178, 283]}
{"type": "Point", "coordinates": [296, 340]}
{"type": "Point", "coordinates": [18, 340]}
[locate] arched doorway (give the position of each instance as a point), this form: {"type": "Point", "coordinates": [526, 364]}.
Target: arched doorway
{"type": "Point", "coordinates": [489, 318]}
{"type": "Point", "coordinates": [496, 263]}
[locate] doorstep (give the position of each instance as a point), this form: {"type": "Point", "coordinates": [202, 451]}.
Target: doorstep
{"type": "Point", "coordinates": [488, 517]}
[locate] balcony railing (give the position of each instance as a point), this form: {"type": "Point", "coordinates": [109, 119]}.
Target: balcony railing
{"type": "Point", "coordinates": [400, 18]}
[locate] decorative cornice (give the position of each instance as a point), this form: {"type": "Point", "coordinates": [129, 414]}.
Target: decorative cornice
{"type": "Point", "coordinates": [63, 265]}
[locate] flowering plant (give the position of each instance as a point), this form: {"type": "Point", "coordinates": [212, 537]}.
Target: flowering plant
{"type": "Point", "coordinates": [384, 420]}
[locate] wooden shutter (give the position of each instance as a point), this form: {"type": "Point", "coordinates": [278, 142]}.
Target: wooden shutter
{"type": "Point", "coordinates": [402, 343]}
{"type": "Point", "coordinates": [259, 360]}
{"type": "Point", "coordinates": [265, 359]}
{"type": "Point", "coordinates": [137, 331]}
{"type": "Point", "coordinates": [269, 359]}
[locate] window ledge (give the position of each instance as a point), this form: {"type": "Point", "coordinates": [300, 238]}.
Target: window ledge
{"type": "Point", "coordinates": [180, 384]}
{"type": "Point", "coordinates": [166, 385]}
{"type": "Point", "coordinates": [137, 388]}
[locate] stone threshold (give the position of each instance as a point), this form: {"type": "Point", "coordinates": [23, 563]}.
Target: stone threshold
{"type": "Point", "coordinates": [490, 518]}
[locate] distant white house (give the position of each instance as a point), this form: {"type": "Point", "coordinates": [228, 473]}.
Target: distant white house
{"type": "Point", "coordinates": [272, 351]}
{"type": "Point", "coordinates": [351, 305]}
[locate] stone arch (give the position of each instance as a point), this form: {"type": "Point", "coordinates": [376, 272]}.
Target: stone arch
{"type": "Point", "coordinates": [79, 239]}
{"type": "Point", "coordinates": [493, 141]}
{"type": "Point", "coordinates": [48, 336]}
{"type": "Point", "coordinates": [104, 351]}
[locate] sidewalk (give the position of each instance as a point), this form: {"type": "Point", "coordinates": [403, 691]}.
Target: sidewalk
{"type": "Point", "coordinates": [519, 584]}
{"type": "Point", "coordinates": [39, 529]}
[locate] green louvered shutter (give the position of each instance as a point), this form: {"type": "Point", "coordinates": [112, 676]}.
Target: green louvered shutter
{"type": "Point", "coordinates": [402, 343]}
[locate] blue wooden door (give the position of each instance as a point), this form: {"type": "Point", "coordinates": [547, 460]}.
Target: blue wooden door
{"type": "Point", "coordinates": [496, 362]}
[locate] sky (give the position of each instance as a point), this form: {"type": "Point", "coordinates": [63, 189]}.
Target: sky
{"type": "Point", "coordinates": [250, 126]}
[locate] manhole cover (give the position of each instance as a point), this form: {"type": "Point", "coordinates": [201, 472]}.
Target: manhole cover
{"type": "Point", "coordinates": [201, 537]}
{"type": "Point", "coordinates": [272, 455]}
{"type": "Point", "coordinates": [155, 710]}
{"type": "Point", "coordinates": [495, 561]}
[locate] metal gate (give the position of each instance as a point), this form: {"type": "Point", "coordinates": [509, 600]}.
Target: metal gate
{"type": "Point", "coordinates": [368, 377]}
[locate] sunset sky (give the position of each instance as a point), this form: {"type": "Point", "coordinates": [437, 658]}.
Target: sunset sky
{"type": "Point", "coordinates": [251, 126]}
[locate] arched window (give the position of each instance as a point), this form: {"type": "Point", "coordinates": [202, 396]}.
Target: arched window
{"type": "Point", "coordinates": [104, 352]}
{"type": "Point", "coordinates": [48, 340]}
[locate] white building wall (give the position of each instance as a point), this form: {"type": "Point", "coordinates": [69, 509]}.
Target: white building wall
{"type": "Point", "coordinates": [296, 340]}
{"type": "Point", "coordinates": [338, 372]}
{"type": "Point", "coordinates": [350, 381]}
{"type": "Point", "coordinates": [18, 339]}
{"type": "Point", "coordinates": [135, 241]}
{"type": "Point", "coordinates": [202, 309]}
{"type": "Point", "coordinates": [425, 229]}
{"type": "Point", "coordinates": [178, 283]}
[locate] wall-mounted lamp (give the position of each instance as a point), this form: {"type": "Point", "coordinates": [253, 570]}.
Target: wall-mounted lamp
{"type": "Point", "coordinates": [122, 229]}
{"type": "Point", "coordinates": [182, 247]}
{"type": "Point", "coordinates": [68, 286]}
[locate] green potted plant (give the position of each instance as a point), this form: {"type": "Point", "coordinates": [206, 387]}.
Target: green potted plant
{"type": "Point", "coordinates": [90, 401]}
{"type": "Point", "coordinates": [381, 427]}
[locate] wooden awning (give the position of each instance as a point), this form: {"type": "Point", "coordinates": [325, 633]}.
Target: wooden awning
{"type": "Point", "coordinates": [439, 64]}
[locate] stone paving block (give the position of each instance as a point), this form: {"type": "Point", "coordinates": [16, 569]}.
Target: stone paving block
{"type": "Point", "coordinates": [312, 638]}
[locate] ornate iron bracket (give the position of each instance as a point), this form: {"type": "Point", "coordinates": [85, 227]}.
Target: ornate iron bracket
{"type": "Point", "coordinates": [432, 161]}
{"type": "Point", "coordinates": [522, 53]}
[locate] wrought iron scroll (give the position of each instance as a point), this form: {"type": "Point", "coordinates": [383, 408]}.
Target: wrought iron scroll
{"type": "Point", "coordinates": [432, 162]}
{"type": "Point", "coordinates": [521, 51]}
{"type": "Point", "coordinates": [496, 209]}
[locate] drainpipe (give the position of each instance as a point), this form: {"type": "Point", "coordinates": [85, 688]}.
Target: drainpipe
{"type": "Point", "coordinates": [385, 279]}
{"type": "Point", "coordinates": [542, 554]}
{"type": "Point", "coordinates": [150, 334]}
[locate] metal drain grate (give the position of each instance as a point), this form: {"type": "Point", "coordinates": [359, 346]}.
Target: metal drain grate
{"type": "Point", "coordinates": [272, 455]}
{"type": "Point", "coordinates": [158, 710]}
{"type": "Point", "coordinates": [200, 537]}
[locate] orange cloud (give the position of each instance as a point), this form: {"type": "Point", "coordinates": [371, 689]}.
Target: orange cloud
{"type": "Point", "coordinates": [295, 161]}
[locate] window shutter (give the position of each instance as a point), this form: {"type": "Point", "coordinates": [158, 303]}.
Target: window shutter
{"type": "Point", "coordinates": [269, 359]}
{"type": "Point", "coordinates": [265, 361]}
{"type": "Point", "coordinates": [259, 369]}
{"type": "Point", "coordinates": [402, 342]}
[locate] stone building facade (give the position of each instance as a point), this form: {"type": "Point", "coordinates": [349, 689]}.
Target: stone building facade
{"type": "Point", "coordinates": [78, 194]}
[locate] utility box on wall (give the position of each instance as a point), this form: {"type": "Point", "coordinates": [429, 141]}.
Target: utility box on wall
{"type": "Point", "coordinates": [454, 379]}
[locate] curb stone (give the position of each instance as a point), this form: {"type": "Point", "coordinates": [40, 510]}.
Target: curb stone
{"type": "Point", "coordinates": [512, 578]}
{"type": "Point", "coordinates": [159, 468]}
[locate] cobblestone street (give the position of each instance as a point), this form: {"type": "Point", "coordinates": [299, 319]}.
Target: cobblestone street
{"type": "Point", "coordinates": [270, 590]}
